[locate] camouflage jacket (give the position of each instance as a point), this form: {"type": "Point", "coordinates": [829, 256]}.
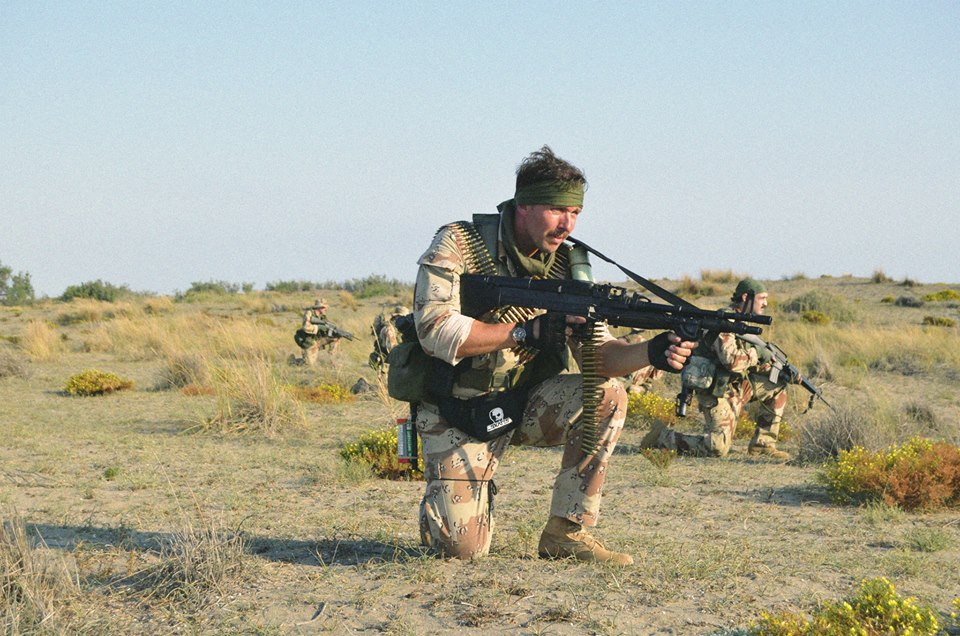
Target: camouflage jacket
{"type": "Point", "coordinates": [441, 327]}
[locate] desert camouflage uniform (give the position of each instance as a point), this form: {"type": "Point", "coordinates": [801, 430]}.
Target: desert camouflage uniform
{"type": "Point", "coordinates": [456, 513]}
{"type": "Point", "coordinates": [321, 341]}
{"type": "Point", "coordinates": [641, 380]}
{"type": "Point", "coordinates": [748, 380]}
{"type": "Point", "coordinates": [385, 338]}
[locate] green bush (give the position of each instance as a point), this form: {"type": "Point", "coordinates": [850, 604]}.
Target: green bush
{"type": "Point", "coordinates": [942, 295]}
{"type": "Point", "coordinates": [875, 609]}
{"type": "Point", "coordinates": [814, 317]}
{"type": "Point", "coordinates": [94, 382]}
{"type": "Point", "coordinates": [97, 290]}
{"type": "Point", "coordinates": [15, 289]}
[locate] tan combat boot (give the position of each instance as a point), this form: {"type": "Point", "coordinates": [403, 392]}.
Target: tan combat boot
{"type": "Point", "coordinates": [769, 450]}
{"type": "Point", "coordinates": [652, 438]}
{"type": "Point", "coordinates": [564, 538]}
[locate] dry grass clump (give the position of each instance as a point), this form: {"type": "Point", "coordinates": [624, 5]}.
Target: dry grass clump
{"type": "Point", "coordinates": [195, 567]}
{"type": "Point", "coordinates": [181, 370]}
{"type": "Point", "coordinates": [876, 609]}
{"type": "Point", "coordinates": [939, 321]}
{"type": "Point", "coordinates": [35, 587]}
{"type": "Point", "coordinates": [252, 398]}
{"type": "Point", "coordinates": [95, 382]}
{"type": "Point", "coordinates": [879, 277]}
{"type": "Point", "coordinates": [41, 341]}
{"type": "Point", "coordinates": [720, 276]}
{"type": "Point", "coordinates": [917, 475]}
{"type": "Point", "coordinates": [689, 287]}
{"type": "Point", "coordinates": [12, 365]}
{"type": "Point", "coordinates": [156, 305]}
{"type": "Point", "coordinates": [80, 310]}
{"type": "Point", "coordinates": [833, 305]}
{"type": "Point", "coordinates": [823, 436]}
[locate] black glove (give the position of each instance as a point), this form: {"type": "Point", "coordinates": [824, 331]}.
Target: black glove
{"type": "Point", "coordinates": [547, 332]}
{"type": "Point", "coordinates": [656, 351]}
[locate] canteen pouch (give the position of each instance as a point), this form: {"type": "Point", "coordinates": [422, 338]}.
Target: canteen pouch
{"type": "Point", "coordinates": [408, 375]}
{"type": "Point", "coordinates": [303, 339]}
{"type": "Point", "coordinates": [485, 417]}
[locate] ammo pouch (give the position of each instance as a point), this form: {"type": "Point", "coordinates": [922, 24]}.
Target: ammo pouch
{"type": "Point", "coordinates": [409, 373]}
{"type": "Point", "coordinates": [486, 416]}
{"type": "Point", "coordinates": [303, 339]}
{"type": "Point", "coordinates": [698, 373]}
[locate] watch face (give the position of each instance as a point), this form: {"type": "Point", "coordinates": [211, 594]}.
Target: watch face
{"type": "Point", "coordinates": [519, 334]}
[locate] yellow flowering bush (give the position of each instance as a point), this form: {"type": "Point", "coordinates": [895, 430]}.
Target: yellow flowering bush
{"type": "Point", "coordinates": [645, 408]}
{"type": "Point", "coordinates": [94, 382]}
{"type": "Point", "coordinates": [325, 394]}
{"type": "Point", "coordinates": [379, 450]}
{"type": "Point", "coordinates": [876, 609]}
{"type": "Point", "coordinates": [919, 474]}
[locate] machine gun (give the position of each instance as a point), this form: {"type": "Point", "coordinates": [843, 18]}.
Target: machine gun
{"type": "Point", "coordinates": [617, 306]}
{"type": "Point", "coordinates": [330, 330]}
{"type": "Point", "coordinates": [782, 367]}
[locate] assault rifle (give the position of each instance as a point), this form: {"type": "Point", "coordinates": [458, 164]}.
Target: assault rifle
{"type": "Point", "coordinates": [330, 330]}
{"type": "Point", "coordinates": [782, 367]}
{"type": "Point", "coordinates": [618, 306]}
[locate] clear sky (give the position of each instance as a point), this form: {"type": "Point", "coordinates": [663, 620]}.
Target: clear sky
{"type": "Point", "coordinates": [156, 144]}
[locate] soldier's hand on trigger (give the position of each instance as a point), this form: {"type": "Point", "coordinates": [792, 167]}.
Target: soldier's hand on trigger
{"type": "Point", "coordinates": [668, 352]}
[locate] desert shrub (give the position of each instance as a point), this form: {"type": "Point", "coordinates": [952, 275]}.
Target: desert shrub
{"type": "Point", "coordinates": [372, 286]}
{"type": "Point", "coordinates": [251, 398]}
{"type": "Point", "coordinates": [815, 317]}
{"type": "Point", "coordinates": [942, 295]}
{"type": "Point", "coordinates": [291, 286]}
{"type": "Point", "coordinates": [34, 585]}
{"type": "Point", "coordinates": [689, 287]}
{"type": "Point", "coordinates": [909, 282]}
{"type": "Point", "coordinates": [211, 290]}
{"type": "Point", "coordinates": [183, 370]}
{"type": "Point", "coordinates": [96, 290]}
{"type": "Point", "coordinates": [908, 301]}
{"type": "Point", "coordinates": [721, 276]}
{"type": "Point", "coordinates": [919, 474]}
{"type": "Point", "coordinates": [939, 321]}
{"type": "Point", "coordinates": [95, 382]}
{"type": "Point", "coordinates": [378, 449]}
{"type": "Point", "coordinates": [876, 609]}
{"type": "Point", "coordinates": [799, 276]}
{"type": "Point", "coordinates": [643, 409]}
{"type": "Point", "coordinates": [661, 458]}
{"type": "Point", "coordinates": [12, 365]}
{"type": "Point", "coordinates": [887, 299]}
{"type": "Point", "coordinates": [41, 341]}
{"type": "Point", "coordinates": [879, 276]}
{"type": "Point", "coordinates": [325, 393]}
{"type": "Point", "coordinates": [828, 433]}
{"type": "Point", "coordinates": [836, 307]}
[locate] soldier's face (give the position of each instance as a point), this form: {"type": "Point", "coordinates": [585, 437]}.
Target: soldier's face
{"type": "Point", "coordinates": [542, 228]}
{"type": "Point", "coordinates": [759, 303]}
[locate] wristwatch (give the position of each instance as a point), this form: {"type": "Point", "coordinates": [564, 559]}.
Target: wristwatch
{"type": "Point", "coordinates": [519, 334]}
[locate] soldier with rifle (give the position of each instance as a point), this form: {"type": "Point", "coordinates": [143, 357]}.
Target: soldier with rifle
{"type": "Point", "coordinates": [481, 364]}
{"type": "Point", "coordinates": [317, 332]}
{"type": "Point", "coordinates": [726, 373]}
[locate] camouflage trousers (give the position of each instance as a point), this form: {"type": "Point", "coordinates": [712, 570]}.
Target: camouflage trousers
{"type": "Point", "coordinates": [721, 413]}
{"type": "Point", "coordinates": [641, 380]}
{"type": "Point", "coordinates": [309, 354]}
{"type": "Point", "coordinates": [456, 513]}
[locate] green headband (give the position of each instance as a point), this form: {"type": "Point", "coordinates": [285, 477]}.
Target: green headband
{"type": "Point", "coordinates": [558, 193]}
